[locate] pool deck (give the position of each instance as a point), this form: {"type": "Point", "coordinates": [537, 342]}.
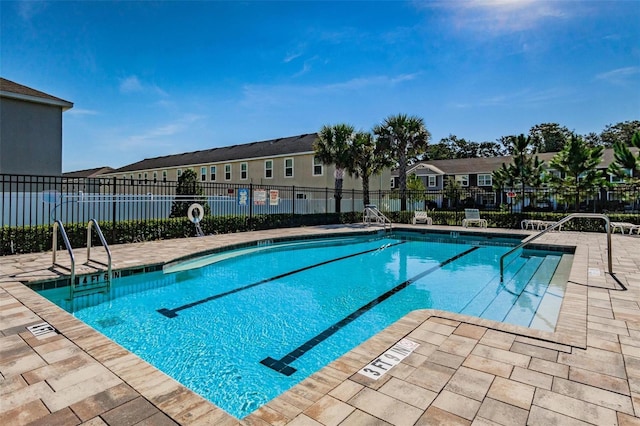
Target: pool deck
{"type": "Point", "coordinates": [466, 370]}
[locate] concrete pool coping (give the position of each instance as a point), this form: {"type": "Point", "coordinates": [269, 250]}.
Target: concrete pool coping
{"type": "Point", "coordinates": [513, 372]}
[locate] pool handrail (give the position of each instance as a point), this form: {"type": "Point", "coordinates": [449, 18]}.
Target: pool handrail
{"type": "Point", "coordinates": [57, 225]}
{"type": "Point", "coordinates": [558, 224]}
{"type": "Point", "coordinates": [371, 211]}
{"type": "Point", "coordinates": [91, 223]}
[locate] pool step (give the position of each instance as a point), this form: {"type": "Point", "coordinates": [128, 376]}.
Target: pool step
{"type": "Point", "coordinates": [486, 296]}
{"type": "Point", "coordinates": [508, 293]}
{"type": "Point", "coordinates": [525, 307]}
{"type": "Point", "coordinates": [524, 298]}
{"type": "Point", "coordinates": [546, 315]}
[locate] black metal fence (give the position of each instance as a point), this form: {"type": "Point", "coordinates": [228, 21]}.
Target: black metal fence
{"type": "Point", "coordinates": [29, 201]}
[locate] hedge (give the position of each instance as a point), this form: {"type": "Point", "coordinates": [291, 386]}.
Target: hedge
{"type": "Point", "coordinates": [38, 238]}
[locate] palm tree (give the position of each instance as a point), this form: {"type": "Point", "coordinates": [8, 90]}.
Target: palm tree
{"type": "Point", "coordinates": [502, 178]}
{"type": "Point", "coordinates": [526, 168]}
{"type": "Point", "coordinates": [401, 137]}
{"type": "Point", "coordinates": [625, 159]}
{"type": "Point", "coordinates": [578, 163]}
{"type": "Point", "coordinates": [365, 161]}
{"type": "Point", "coordinates": [333, 146]}
{"type": "Point", "coordinates": [452, 190]}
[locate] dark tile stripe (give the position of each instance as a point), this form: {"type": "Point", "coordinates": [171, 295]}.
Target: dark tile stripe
{"type": "Point", "coordinates": [282, 365]}
{"type": "Point", "coordinates": [172, 313]}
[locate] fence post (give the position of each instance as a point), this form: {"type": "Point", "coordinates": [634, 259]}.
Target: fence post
{"type": "Point", "coordinates": [250, 200]}
{"type": "Point", "coordinates": [353, 200]}
{"type": "Point", "coordinates": [293, 200]}
{"type": "Point", "coordinates": [113, 211]}
{"type": "Point", "coordinates": [326, 201]}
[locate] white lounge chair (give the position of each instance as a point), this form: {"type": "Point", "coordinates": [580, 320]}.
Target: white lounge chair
{"type": "Point", "coordinates": [472, 217]}
{"type": "Point", "coordinates": [537, 224]}
{"type": "Point", "coordinates": [622, 226]}
{"type": "Point", "coordinates": [422, 216]}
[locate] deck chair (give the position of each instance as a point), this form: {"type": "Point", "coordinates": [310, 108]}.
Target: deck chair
{"type": "Point", "coordinates": [623, 226]}
{"type": "Point", "coordinates": [422, 216]}
{"type": "Point", "coordinates": [472, 217]}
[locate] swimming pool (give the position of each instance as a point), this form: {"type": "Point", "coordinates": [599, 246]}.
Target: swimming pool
{"type": "Point", "coordinates": [242, 326]}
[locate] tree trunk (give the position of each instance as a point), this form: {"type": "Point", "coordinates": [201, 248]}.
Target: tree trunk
{"type": "Point", "coordinates": [402, 180]}
{"type": "Point", "coordinates": [365, 189]}
{"type": "Point", "coordinates": [338, 194]}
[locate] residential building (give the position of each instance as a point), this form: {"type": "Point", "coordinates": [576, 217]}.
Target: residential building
{"type": "Point", "coordinates": [476, 174]}
{"type": "Point", "coordinates": [30, 130]}
{"type": "Point", "coordinates": [288, 161]}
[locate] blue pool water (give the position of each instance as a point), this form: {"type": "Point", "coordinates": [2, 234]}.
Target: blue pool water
{"type": "Point", "coordinates": [241, 327]}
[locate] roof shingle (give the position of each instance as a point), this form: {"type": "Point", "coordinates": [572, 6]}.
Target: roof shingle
{"type": "Point", "coordinates": [274, 147]}
{"type": "Point", "coordinates": [8, 87]}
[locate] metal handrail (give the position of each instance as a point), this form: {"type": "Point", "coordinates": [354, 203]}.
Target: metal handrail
{"type": "Point", "coordinates": [58, 225]}
{"type": "Point", "coordinates": [380, 218]}
{"type": "Point", "coordinates": [557, 224]}
{"type": "Point", "coordinates": [104, 244]}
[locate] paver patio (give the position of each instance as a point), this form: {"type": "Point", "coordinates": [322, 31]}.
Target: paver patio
{"type": "Point", "coordinates": [466, 370]}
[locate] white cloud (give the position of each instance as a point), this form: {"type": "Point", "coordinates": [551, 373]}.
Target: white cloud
{"type": "Point", "coordinates": [168, 129]}
{"type": "Point", "coordinates": [522, 97]}
{"type": "Point", "coordinates": [80, 111]}
{"type": "Point", "coordinates": [499, 16]}
{"type": "Point", "coordinates": [619, 75]}
{"type": "Point", "coordinates": [132, 84]}
{"type": "Point", "coordinates": [265, 95]}
{"type": "Point", "coordinates": [291, 56]}
{"type": "Point", "coordinates": [28, 9]}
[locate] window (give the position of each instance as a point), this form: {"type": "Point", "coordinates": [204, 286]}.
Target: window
{"type": "Point", "coordinates": [268, 169]}
{"type": "Point", "coordinates": [179, 173]}
{"type": "Point", "coordinates": [484, 180]}
{"type": "Point", "coordinates": [317, 167]}
{"type": "Point", "coordinates": [203, 174]}
{"type": "Point", "coordinates": [616, 179]}
{"type": "Point", "coordinates": [227, 172]}
{"type": "Point", "coordinates": [155, 176]}
{"type": "Point", "coordinates": [431, 181]}
{"type": "Point", "coordinates": [463, 179]}
{"type": "Point", "coordinates": [139, 177]}
{"type": "Point", "coordinates": [164, 175]}
{"type": "Point", "coordinates": [288, 167]}
{"type": "Point", "coordinates": [146, 176]}
{"type": "Point", "coordinates": [244, 171]}
{"type": "Point", "coordinates": [212, 173]}
{"type": "Point", "coordinates": [301, 196]}
{"type": "Point", "coordinates": [393, 183]}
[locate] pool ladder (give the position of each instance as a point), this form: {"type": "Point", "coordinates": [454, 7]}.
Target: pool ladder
{"type": "Point", "coordinates": [75, 289]}
{"type": "Point", "coordinates": [371, 215]}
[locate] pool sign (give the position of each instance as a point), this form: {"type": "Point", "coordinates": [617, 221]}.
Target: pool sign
{"type": "Point", "coordinates": [259, 197]}
{"type": "Point", "coordinates": [274, 197]}
{"type": "Point", "coordinates": [243, 196]}
{"type": "Point", "coordinates": [392, 357]}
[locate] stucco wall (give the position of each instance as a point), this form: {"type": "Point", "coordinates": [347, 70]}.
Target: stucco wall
{"type": "Point", "coordinates": [30, 138]}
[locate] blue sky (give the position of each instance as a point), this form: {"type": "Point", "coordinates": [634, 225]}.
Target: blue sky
{"type": "Point", "coordinates": [156, 78]}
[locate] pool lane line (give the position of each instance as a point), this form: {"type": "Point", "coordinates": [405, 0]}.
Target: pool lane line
{"type": "Point", "coordinates": [172, 313]}
{"type": "Point", "coordinates": [282, 365]}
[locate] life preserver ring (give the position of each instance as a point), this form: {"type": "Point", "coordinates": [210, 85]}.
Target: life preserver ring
{"type": "Point", "coordinates": [198, 218]}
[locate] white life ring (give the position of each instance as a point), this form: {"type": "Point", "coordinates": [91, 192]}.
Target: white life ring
{"type": "Point", "coordinates": [192, 218]}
